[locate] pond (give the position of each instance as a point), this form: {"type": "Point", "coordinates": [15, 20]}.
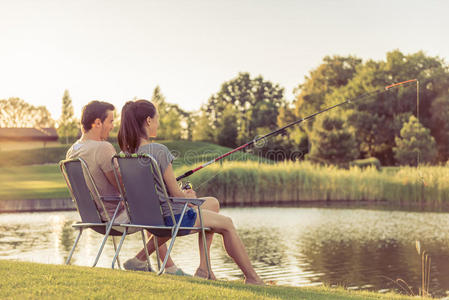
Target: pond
{"type": "Point", "coordinates": [353, 247]}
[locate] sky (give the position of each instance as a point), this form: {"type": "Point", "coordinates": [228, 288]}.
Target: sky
{"type": "Point", "coordinates": [116, 50]}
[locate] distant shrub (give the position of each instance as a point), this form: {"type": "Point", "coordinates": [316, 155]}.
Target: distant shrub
{"type": "Point", "coordinates": [365, 163]}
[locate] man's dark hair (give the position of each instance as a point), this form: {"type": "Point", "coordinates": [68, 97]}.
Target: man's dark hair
{"type": "Point", "coordinates": [94, 110]}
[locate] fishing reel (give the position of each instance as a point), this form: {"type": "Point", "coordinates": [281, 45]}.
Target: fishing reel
{"type": "Point", "coordinates": [186, 186]}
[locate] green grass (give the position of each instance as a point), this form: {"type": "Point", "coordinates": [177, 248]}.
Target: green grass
{"type": "Point", "coordinates": [21, 280]}
{"type": "Point", "coordinates": [22, 175]}
{"type": "Point", "coordinates": [32, 156]}
{"type": "Point", "coordinates": [32, 182]}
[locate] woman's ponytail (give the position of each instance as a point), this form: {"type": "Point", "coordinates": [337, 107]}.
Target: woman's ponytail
{"type": "Point", "coordinates": [134, 114]}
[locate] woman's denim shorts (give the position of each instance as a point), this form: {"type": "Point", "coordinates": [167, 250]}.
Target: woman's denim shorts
{"type": "Point", "coordinates": [187, 221]}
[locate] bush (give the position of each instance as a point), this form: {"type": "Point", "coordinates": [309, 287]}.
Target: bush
{"type": "Point", "coordinates": [365, 163]}
{"type": "Point", "coordinates": [332, 142]}
{"type": "Point", "coordinates": [415, 144]}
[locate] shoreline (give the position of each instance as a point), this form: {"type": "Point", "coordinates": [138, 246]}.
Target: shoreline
{"type": "Point", "coordinates": [66, 204]}
{"type": "Point", "coordinates": [36, 205]}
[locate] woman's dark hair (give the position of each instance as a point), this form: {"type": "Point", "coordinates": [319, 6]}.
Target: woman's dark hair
{"type": "Point", "coordinates": [94, 110]}
{"type": "Point", "coordinates": [134, 115]}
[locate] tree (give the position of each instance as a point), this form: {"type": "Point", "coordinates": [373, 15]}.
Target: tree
{"type": "Point", "coordinates": [414, 142]}
{"type": "Point", "coordinates": [202, 128]}
{"type": "Point", "coordinates": [68, 126]}
{"type": "Point", "coordinates": [15, 112]}
{"type": "Point", "coordinates": [116, 124]}
{"type": "Point", "coordinates": [255, 101]}
{"type": "Point", "coordinates": [332, 142]}
{"type": "Point", "coordinates": [379, 118]}
{"type": "Point", "coordinates": [333, 73]}
{"type": "Point", "coordinates": [440, 125]}
{"type": "Point", "coordinates": [172, 123]}
{"type": "Point", "coordinates": [227, 128]}
{"type": "Point", "coordinates": [170, 117]}
{"type": "Point", "coordinates": [292, 144]}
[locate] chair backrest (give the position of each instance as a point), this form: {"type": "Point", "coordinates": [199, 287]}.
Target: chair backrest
{"type": "Point", "coordinates": [72, 170]}
{"type": "Point", "coordinates": [140, 175]}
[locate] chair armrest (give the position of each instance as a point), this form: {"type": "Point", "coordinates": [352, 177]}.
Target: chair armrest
{"type": "Point", "coordinates": [111, 198]}
{"type": "Point", "coordinates": [194, 201]}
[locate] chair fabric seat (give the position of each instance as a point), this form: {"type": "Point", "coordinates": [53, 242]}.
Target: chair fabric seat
{"type": "Point", "coordinates": [142, 188]}
{"type": "Point", "coordinates": [162, 231]}
{"type": "Point", "coordinates": [99, 228]}
{"type": "Point", "coordinates": [77, 175]}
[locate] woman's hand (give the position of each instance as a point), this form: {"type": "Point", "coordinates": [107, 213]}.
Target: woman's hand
{"type": "Point", "coordinates": [190, 193]}
{"type": "Point", "coordinates": [173, 187]}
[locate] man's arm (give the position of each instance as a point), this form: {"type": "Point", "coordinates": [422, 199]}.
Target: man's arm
{"type": "Point", "coordinates": [111, 178]}
{"type": "Point", "coordinates": [104, 156]}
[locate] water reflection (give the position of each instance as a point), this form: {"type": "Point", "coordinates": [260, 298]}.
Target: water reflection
{"type": "Point", "coordinates": [356, 248]}
{"type": "Point", "coordinates": [67, 240]}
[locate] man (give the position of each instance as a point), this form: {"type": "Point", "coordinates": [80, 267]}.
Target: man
{"type": "Point", "coordinates": [96, 123]}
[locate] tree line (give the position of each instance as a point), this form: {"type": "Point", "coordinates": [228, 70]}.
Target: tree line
{"type": "Point", "coordinates": [386, 126]}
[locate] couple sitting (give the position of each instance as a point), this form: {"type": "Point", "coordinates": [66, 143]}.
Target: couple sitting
{"type": "Point", "coordinates": [139, 123]}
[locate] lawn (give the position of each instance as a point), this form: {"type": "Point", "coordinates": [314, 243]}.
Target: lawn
{"type": "Point", "coordinates": [24, 176]}
{"type": "Point", "coordinates": [22, 280]}
{"type": "Point", "coordinates": [187, 152]}
{"type": "Point", "coordinates": [32, 182]}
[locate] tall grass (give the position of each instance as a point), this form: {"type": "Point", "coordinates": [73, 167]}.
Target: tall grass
{"type": "Point", "coordinates": [254, 183]}
{"type": "Point", "coordinates": [250, 183]}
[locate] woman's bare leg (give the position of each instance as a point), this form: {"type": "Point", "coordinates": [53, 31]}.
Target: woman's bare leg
{"type": "Point", "coordinates": [211, 204]}
{"type": "Point", "coordinates": [162, 250]}
{"type": "Point", "coordinates": [233, 245]}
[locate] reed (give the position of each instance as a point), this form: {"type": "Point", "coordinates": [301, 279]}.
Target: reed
{"type": "Point", "coordinates": [253, 183]}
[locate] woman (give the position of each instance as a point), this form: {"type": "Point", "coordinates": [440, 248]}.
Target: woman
{"type": "Point", "coordinates": [139, 122]}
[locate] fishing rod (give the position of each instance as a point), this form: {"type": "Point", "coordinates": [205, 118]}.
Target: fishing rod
{"type": "Point", "coordinates": [282, 129]}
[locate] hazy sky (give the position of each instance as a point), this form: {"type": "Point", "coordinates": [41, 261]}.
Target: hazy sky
{"type": "Point", "coordinates": [116, 50]}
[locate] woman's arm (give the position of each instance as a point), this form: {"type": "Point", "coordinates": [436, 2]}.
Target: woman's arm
{"type": "Point", "coordinates": [173, 187]}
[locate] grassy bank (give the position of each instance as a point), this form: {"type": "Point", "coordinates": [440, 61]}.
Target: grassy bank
{"type": "Point", "coordinates": [32, 182]}
{"type": "Point", "coordinates": [188, 152]}
{"type": "Point", "coordinates": [23, 175]}
{"type": "Point", "coordinates": [21, 280]}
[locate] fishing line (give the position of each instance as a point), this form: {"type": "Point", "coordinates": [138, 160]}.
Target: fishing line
{"type": "Point", "coordinates": [282, 129]}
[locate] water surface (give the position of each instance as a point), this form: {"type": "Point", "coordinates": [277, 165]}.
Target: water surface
{"type": "Point", "coordinates": [355, 248]}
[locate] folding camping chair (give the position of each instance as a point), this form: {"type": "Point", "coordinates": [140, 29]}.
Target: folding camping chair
{"type": "Point", "coordinates": [143, 186]}
{"type": "Point", "coordinates": [76, 173]}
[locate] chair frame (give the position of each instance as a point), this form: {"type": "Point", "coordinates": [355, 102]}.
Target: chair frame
{"type": "Point", "coordinates": [172, 231]}
{"type": "Point", "coordinates": [80, 226]}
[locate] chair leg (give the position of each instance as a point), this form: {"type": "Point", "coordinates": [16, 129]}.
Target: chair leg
{"type": "Point", "coordinates": [119, 247]}
{"type": "Point", "coordinates": [115, 250]}
{"type": "Point", "coordinates": [209, 269]}
{"type": "Point", "coordinates": [74, 246]}
{"type": "Point", "coordinates": [174, 234]}
{"type": "Point", "coordinates": [106, 235]}
{"type": "Point", "coordinates": [146, 250]}
{"type": "Point", "coordinates": [101, 248]}
{"type": "Point", "coordinates": [156, 246]}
